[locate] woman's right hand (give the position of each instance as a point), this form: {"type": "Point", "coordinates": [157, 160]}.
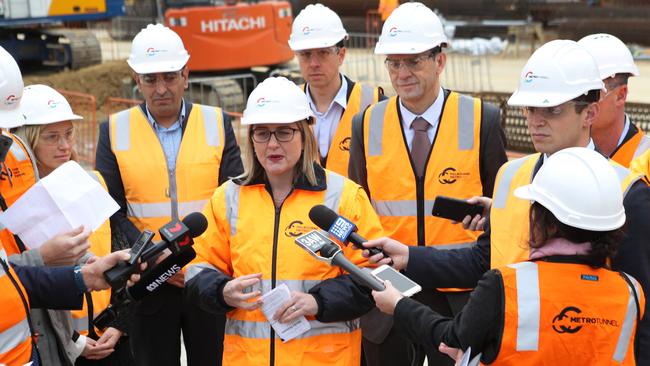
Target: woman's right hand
{"type": "Point", "coordinates": [234, 295]}
{"type": "Point", "coordinates": [65, 249]}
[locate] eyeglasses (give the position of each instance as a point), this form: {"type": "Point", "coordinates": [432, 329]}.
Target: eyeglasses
{"type": "Point", "coordinates": [168, 78]}
{"type": "Point", "coordinates": [551, 112]}
{"type": "Point", "coordinates": [53, 139]}
{"type": "Point", "coordinates": [282, 134]}
{"type": "Point", "coordinates": [320, 54]}
{"type": "Point", "coordinates": [411, 64]}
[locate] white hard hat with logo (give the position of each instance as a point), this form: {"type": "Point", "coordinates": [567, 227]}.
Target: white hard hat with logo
{"type": "Point", "coordinates": [556, 73]}
{"type": "Point", "coordinates": [276, 100]}
{"type": "Point", "coordinates": [157, 49]}
{"type": "Point", "coordinates": [42, 105]}
{"type": "Point", "coordinates": [611, 54]}
{"type": "Point", "coordinates": [11, 91]}
{"type": "Point", "coordinates": [317, 26]}
{"type": "Point", "coordinates": [410, 29]}
{"type": "Point", "coordinates": [580, 188]}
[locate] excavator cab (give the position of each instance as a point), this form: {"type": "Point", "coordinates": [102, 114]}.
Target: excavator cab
{"type": "Point", "coordinates": [231, 35]}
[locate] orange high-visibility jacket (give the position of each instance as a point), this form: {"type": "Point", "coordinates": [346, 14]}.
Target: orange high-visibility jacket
{"type": "Point", "coordinates": [154, 194]}
{"type": "Point", "coordinates": [247, 235]}
{"type": "Point", "coordinates": [338, 156]}
{"type": "Point", "coordinates": [15, 337]}
{"type": "Point", "coordinates": [631, 149]}
{"type": "Point", "coordinates": [452, 170]}
{"type": "Point", "coordinates": [568, 314]}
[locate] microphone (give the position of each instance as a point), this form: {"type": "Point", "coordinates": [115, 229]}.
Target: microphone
{"type": "Point", "coordinates": [322, 248]}
{"type": "Point", "coordinates": [154, 278]}
{"type": "Point", "coordinates": [150, 282]}
{"type": "Point", "coordinates": [339, 227]}
{"type": "Point", "coordinates": [176, 235]}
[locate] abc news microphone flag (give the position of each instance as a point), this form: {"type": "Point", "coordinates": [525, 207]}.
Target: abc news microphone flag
{"type": "Point", "coordinates": [64, 200]}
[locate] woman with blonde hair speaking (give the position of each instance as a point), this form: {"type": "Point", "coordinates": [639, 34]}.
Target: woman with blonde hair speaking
{"type": "Point", "coordinates": [248, 248]}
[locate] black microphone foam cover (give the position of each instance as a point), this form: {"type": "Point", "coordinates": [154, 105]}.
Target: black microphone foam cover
{"type": "Point", "coordinates": [322, 216]}
{"type": "Point", "coordinates": [196, 223]}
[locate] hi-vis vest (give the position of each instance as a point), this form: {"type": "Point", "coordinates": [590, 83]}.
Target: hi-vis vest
{"type": "Point", "coordinates": [154, 194]}
{"type": "Point", "coordinates": [243, 227]}
{"type": "Point", "coordinates": [100, 245]}
{"type": "Point", "coordinates": [632, 148]}
{"type": "Point", "coordinates": [567, 314]}
{"type": "Point", "coordinates": [338, 156]}
{"type": "Point", "coordinates": [15, 337]}
{"type": "Point", "coordinates": [403, 204]}
{"type": "Point", "coordinates": [18, 175]}
{"type": "Point", "coordinates": [509, 215]}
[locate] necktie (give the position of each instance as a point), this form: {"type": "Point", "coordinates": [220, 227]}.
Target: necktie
{"type": "Point", "coordinates": [421, 144]}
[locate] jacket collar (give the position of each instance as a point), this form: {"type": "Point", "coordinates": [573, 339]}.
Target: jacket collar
{"type": "Point", "coordinates": [301, 181]}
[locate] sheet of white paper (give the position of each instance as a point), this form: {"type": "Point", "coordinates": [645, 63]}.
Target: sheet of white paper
{"type": "Point", "coordinates": [272, 301]}
{"type": "Point", "coordinates": [65, 199]}
{"type": "Point", "coordinates": [465, 361]}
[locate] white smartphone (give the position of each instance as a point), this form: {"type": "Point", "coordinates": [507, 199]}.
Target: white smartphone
{"type": "Point", "coordinates": [402, 283]}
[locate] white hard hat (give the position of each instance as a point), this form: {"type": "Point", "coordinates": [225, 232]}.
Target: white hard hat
{"type": "Point", "coordinates": [42, 105]}
{"type": "Point", "coordinates": [611, 54]}
{"type": "Point", "coordinates": [410, 29]}
{"type": "Point", "coordinates": [557, 72]}
{"type": "Point", "coordinates": [580, 188]}
{"type": "Point", "coordinates": [11, 91]}
{"type": "Point", "coordinates": [317, 26]}
{"type": "Point", "coordinates": [276, 100]}
{"type": "Point", "coordinates": [157, 49]}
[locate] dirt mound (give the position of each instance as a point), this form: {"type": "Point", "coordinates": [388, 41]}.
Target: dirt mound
{"type": "Point", "coordinates": [102, 81]}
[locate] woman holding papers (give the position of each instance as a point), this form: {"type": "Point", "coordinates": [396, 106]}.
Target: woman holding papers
{"type": "Point", "coordinates": [49, 134]}
{"type": "Point", "coordinates": [563, 306]}
{"type": "Point", "coordinates": [249, 249]}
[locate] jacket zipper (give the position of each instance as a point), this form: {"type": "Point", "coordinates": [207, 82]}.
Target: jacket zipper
{"type": "Point", "coordinates": [276, 226]}
{"type": "Point", "coordinates": [419, 194]}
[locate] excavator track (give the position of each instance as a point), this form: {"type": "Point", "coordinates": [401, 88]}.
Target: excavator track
{"type": "Point", "coordinates": [80, 47]}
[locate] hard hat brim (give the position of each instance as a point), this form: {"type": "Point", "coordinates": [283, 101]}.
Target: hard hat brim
{"type": "Point", "coordinates": [52, 119]}
{"type": "Point", "coordinates": [407, 48]}
{"type": "Point", "coordinates": [269, 118]}
{"type": "Point", "coordinates": [311, 44]}
{"type": "Point", "coordinates": [156, 67]}
{"type": "Point", "coordinates": [535, 99]}
{"type": "Point", "coordinates": [11, 119]}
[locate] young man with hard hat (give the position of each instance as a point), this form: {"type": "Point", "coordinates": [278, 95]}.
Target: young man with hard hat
{"type": "Point", "coordinates": [318, 40]}
{"type": "Point", "coordinates": [425, 142]}
{"type": "Point", "coordinates": [613, 132]}
{"type": "Point", "coordinates": [162, 160]}
{"type": "Point", "coordinates": [559, 89]}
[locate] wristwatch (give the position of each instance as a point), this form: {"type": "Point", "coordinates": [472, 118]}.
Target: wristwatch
{"type": "Point", "coordinates": [79, 280]}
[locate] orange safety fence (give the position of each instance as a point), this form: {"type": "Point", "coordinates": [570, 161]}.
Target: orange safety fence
{"type": "Point", "coordinates": [84, 105]}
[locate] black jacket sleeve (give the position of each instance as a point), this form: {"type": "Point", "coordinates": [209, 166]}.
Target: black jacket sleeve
{"type": "Point", "coordinates": [106, 164]}
{"type": "Point", "coordinates": [50, 287]}
{"type": "Point", "coordinates": [206, 289]}
{"type": "Point", "coordinates": [433, 268]}
{"type": "Point", "coordinates": [633, 256]}
{"type": "Point", "coordinates": [357, 164]}
{"type": "Point", "coordinates": [493, 147]}
{"type": "Point", "coordinates": [231, 165]}
{"type": "Point", "coordinates": [341, 299]}
{"type": "Point", "coordinates": [478, 325]}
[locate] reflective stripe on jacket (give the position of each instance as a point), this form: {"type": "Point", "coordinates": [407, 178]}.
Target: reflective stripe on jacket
{"type": "Point", "coordinates": [509, 215]}
{"type": "Point", "coordinates": [246, 234]}
{"type": "Point", "coordinates": [631, 149]}
{"type": "Point", "coordinates": [15, 337]}
{"type": "Point", "coordinates": [154, 194]}
{"type": "Point", "coordinates": [567, 314]}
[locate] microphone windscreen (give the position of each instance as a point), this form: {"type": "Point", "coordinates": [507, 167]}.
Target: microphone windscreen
{"type": "Point", "coordinates": [196, 223]}
{"type": "Point", "coordinates": [322, 216]}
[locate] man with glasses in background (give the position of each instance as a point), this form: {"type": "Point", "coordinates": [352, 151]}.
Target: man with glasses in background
{"type": "Point", "coordinates": [317, 38]}
{"type": "Point", "coordinates": [163, 160]}
{"type": "Point", "coordinates": [426, 141]}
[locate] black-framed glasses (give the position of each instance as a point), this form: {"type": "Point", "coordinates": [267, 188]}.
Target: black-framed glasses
{"type": "Point", "coordinates": [282, 134]}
